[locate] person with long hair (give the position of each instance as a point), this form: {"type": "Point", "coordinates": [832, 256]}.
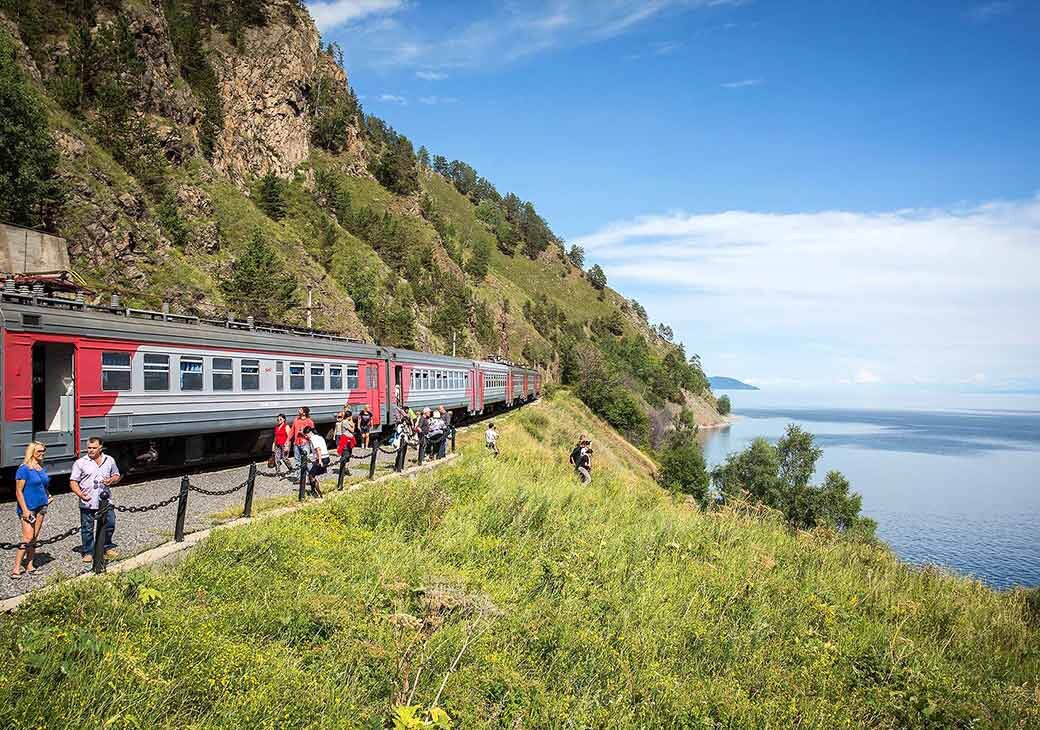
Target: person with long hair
{"type": "Point", "coordinates": [30, 491]}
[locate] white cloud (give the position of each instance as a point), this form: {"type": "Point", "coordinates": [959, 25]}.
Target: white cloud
{"type": "Point", "coordinates": [742, 84]}
{"type": "Point", "coordinates": [392, 99]}
{"type": "Point", "coordinates": [866, 376]}
{"type": "Point", "coordinates": [343, 12]}
{"type": "Point", "coordinates": [431, 100]}
{"type": "Point", "coordinates": [495, 34]}
{"type": "Point", "coordinates": [943, 294]}
{"type": "Point", "coordinates": [431, 75]}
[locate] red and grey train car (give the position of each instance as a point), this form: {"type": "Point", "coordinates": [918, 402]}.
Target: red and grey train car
{"type": "Point", "coordinates": [167, 390]}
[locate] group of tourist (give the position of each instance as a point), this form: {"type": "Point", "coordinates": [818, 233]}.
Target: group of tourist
{"type": "Point", "coordinates": [93, 476]}
{"type": "Point", "coordinates": [301, 440]}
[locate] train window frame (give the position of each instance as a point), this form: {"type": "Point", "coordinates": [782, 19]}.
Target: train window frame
{"type": "Point", "coordinates": [353, 377]}
{"type": "Point", "coordinates": [225, 373]}
{"type": "Point", "coordinates": [201, 373]}
{"type": "Point", "coordinates": [279, 375]}
{"type": "Point", "coordinates": [317, 375]}
{"type": "Point", "coordinates": [372, 377]}
{"type": "Point", "coordinates": [249, 380]}
{"type": "Point", "coordinates": [336, 377]}
{"type": "Point", "coordinates": [112, 370]}
{"type": "Point", "coordinates": [157, 365]}
{"type": "Point", "coordinates": [302, 375]}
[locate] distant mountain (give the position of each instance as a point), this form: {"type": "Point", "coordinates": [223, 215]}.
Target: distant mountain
{"type": "Point", "coordinates": [718, 382]}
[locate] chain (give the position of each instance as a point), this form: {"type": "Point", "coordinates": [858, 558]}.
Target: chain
{"type": "Point", "coordinates": [49, 541]}
{"type": "Point", "coordinates": [361, 456]}
{"type": "Point", "coordinates": [390, 450]}
{"type": "Point", "coordinates": [146, 508]}
{"type": "Point", "coordinates": [217, 493]}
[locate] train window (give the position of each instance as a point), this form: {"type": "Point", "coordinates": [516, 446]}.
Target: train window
{"type": "Point", "coordinates": [297, 378]}
{"type": "Point", "coordinates": [335, 377]}
{"type": "Point", "coordinates": [352, 377]}
{"type": "Point", "coordinates": [115, 371]}
{"type": "Point", "coordinates": [191, 373]}
{"type": "Point", "coordinates": [223, 374]}
{"type": "Point", "coordinates": [425, 380]}
{"type": "Point", "coordinates": [156, 372]}
{"type": "Point", "coordinates": [317, 376]}
{"type": "Point", "coordinates": [373, 377]}
{"type": "Point", "coordinates": [250, 372]}
{"type": "Point", "coordinates": [279, 375]}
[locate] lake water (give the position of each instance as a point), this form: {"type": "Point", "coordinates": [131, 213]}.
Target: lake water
{"type": "Point", "coordinates": [957, 487]}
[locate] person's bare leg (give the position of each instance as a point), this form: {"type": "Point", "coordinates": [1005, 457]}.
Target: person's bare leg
{"type": "Point", "coordinates": [30, 553]}
{"type": "Point", "coordinates": [27, 535]}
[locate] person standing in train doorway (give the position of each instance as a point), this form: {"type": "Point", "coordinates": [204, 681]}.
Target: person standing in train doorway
{"type": "Point", "coordinates": [299, 440]}
{"type": "Point", "coordinates": [93, 475]}
{"type": "Point", "coordinates": [364, 422]}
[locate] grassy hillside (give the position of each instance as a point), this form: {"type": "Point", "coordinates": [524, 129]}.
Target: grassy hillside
{"type": "Point", "coordinates": [506, 595]}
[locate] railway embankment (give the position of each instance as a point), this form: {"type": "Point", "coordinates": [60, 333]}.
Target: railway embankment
{"type": "Point", "coordinates": [500, 592]}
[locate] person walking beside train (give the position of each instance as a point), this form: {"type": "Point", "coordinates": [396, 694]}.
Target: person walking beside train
{"type": "Point", "coordinates": [31, 483]}
{"type": "Point", "coordinates": [280, 447]}
{"type": "Point", "coordinates": [93, 476]}
{"type": "Point", "coordinates": [422, 428]}
{"type": "Point", "coordinates": [442, 450]}
{"type": "Point", "coordinates": [435, 435]}
{"type": "Point", "coordinates": [318, 451]}
{"type": "Point", "coordinates": [302, 421]}
{"type": "Point", "coordinates": [364, 424]}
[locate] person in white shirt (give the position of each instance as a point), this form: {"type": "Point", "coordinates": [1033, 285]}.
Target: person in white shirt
{"type": "Point", "coordinates": [491, 439]}
{"type": "Point", "coordinates": [92, 475]}
{"type": "Point", "coordinates": [319, 458]}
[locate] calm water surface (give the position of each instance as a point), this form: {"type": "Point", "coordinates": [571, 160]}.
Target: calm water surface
{"type": "Point", "coordinates": [955, 487]}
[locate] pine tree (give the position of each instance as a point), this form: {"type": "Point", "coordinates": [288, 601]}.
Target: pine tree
{"type": "Point", "coordinates": [424, 157]}
{"type": "Point", "coordinates": [28, 183]}
{"type": "Point", "coordinates": [479, 260]}
{"type": "Point", "coordinates": [597, 278]}
{"type": "Point", "coordinates": [259, 285]}
{"type": "Point", "coordinates": [271, 196]}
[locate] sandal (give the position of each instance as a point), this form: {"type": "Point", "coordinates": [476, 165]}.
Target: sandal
{"type": "Point", "coordinates": [16, 576]}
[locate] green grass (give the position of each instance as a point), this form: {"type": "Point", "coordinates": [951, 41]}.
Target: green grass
{"type": "Point", "coordinates": [559, 606]}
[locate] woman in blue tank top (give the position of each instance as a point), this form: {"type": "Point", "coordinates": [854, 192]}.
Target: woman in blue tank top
{"type": "Point", "coordinates": [31, 482]}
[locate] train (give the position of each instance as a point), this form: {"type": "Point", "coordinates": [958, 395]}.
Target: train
{"type": "Point", "coordinates": [165, 390]}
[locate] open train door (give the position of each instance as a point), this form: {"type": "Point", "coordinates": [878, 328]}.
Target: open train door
{"type": "Point", "coordinates": [54, 398]}
{"type": "Point", "coordinates": [477, 401]}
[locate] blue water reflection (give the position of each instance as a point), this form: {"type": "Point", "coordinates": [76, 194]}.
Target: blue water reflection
{"type": "Point", "coordinates": [953, 488]}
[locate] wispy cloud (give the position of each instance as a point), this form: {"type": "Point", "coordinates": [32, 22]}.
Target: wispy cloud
{"type": "Point", "coordinates": [742, 84]}
{"type": "Point", "coordinates": [334, 13]}
{"type": "Point", "coordinates": [943, 294]}
{"type": "Point", "coordinates": [392, 99]}
{"type": "Point", "coordinates": [503, 33]}
{"type": "Point", "coordinates": [431, 100]}
{"type": "Point", "coordinates": [431, 75]}
{"type": "Point", "coordinates": [989, 11]}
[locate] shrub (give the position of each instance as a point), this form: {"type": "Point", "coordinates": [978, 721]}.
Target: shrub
{"type": "Point", "coordinates": [682, 467]}
{"type": "Point", "coordinates": [723, 405]}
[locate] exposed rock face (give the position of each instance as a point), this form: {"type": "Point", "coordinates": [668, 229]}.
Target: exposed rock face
{"type": "Point", "coordinates": [159, 91]}
{"type": "Point", "coordinates": [264, 93]}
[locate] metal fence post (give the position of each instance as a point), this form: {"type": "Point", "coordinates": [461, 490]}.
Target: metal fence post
{"type": "Point", "coordinates": [100, 523]}
{"type": "Point", "coordinates": [182, 510]}
{"type": "Point", "coordinates": [453, 439]}
{"type": "Point", "coordinates": [372, 463]}
{"type": "Point", "coordinates": [250, 483]}
{"type": "Point", "coordinates": [342, 470]}
{"type": "Point", "coordinates": [303, 475]}
{"type": "Point", "coordinates": [402, 454]}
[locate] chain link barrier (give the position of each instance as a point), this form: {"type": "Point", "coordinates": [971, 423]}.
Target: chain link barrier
{"type": "Point", "coordinates": [49, 541]}
{"type": "Point", "coordinates": [218, 492]}
{"type": "Point", "coordinates": [147, 507]}
{"type": "Point", "coordinates": [359, 457]}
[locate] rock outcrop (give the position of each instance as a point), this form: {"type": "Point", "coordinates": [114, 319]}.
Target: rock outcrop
{"type": "Point", "coordinates": [264, 92]}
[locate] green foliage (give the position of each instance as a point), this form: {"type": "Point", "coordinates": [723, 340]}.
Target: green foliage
{"type": "Point", "coordinates": [259, 285]}
{"type": "Point", "coordinates": [778, 477]}
{"type": "Point", "coordinates": [723, 405]}
{"type": "Point", "coordinates": [601, 389]}
{"type": "Point", "coordinates": [334, 109]}
{"type": "Point", "coordinates": [270, 196]}
{"type": "Point", "coordinates": [188, 34]}
{"type": "Point", "coordinates": [170, 221]}
{"type": "Point", "coordinates": [479, 260]}
{"type": "Point", "coordinates": [682, 467]}
{"type": "Point", "coordinates": [29, 188]}
{"type": "Point", "coordinates": [395, 166]}
{"type": "Point", "coordinates": [576, 255]}
{"type": "Point", "coordinates": [640, 310]}
{"type": "Point", "coordinates": [330, 195]}
{"type": "Point", "coordinates": [597, 278]}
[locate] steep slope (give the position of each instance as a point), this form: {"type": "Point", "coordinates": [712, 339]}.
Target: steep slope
{"type": "Point", "coordinates": [197, 138]}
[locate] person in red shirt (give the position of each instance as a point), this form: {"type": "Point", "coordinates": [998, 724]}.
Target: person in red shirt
{"type": "Point", "coordinates": [280, 448]}
{"type": "Point", "coordinates": [302, 421]}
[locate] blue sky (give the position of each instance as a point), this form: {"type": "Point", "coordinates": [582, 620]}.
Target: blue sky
{"type": "Point", "coordinates": [811, 193]}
